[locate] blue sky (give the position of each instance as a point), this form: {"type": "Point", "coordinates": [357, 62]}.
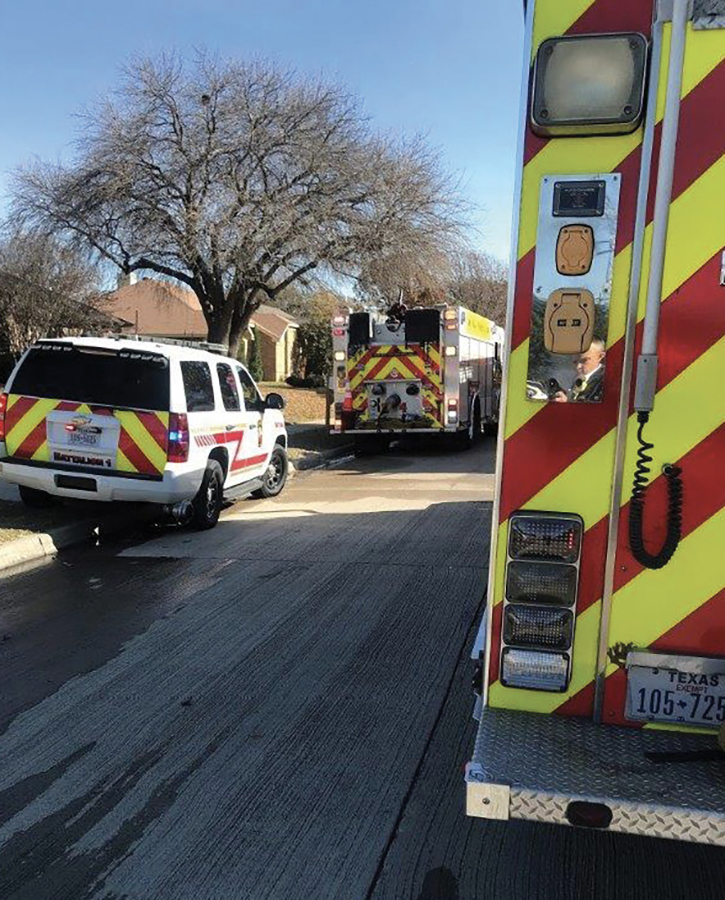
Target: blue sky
{"type": "Point", "coordinates": [447, 68]}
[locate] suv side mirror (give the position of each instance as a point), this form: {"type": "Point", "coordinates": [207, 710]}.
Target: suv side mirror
{"type": "Point", "coordinates": [274, 401]}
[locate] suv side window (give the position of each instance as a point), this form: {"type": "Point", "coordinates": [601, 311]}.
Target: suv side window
{"type": "Point", "coordinates": [228, 387]}
{"type": "Point", "coordinates": [252, 398]}
{"type": "Point", "coordinates": [197, 386]}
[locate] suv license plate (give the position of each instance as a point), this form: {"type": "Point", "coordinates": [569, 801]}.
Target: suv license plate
{"type": "Point", "coordinates": [87, 439]}
{"type": "Point", "coordinates": [667, 695]}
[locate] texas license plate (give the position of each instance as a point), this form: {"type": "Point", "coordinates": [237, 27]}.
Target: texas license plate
{"type": "Point", "coordinates": [669, 695]}
{"type": "Point", "coordinates": [86, 438]}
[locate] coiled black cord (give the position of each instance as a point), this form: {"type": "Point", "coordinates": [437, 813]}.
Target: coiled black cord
{"type": "Point", "coordinates": [636, 506]}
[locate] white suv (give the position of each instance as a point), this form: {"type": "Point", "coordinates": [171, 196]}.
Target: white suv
{"type": "Point", "coordinates": [105, 419]}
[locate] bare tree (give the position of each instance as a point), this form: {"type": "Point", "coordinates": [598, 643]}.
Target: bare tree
{"type": "Point", "coordinates": [422, 276]}
{"type": "Point", "coordinates": [480, 283]}
{"type": "Point", "coordinates": [239, 180]}
{"type": "Point", "coordinates": [46, 289]}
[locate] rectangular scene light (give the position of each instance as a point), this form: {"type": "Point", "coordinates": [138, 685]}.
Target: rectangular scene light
{"type": "Point", "coordinates": [589, 84]}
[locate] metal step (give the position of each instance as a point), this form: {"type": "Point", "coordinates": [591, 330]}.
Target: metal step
{"type": "Point", "coordinates": [239, 491]}
{"type": "Point", "coordinates": [531, 766]}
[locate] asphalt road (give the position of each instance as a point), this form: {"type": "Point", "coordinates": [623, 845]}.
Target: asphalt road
{"type": "Point", "coordinates": [280, 708]}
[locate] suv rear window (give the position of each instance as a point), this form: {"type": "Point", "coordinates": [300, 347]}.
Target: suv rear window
{"type": "Point", "coordinates": [115, 378]}
{"type": "Point", "coordinates": [197, 386]}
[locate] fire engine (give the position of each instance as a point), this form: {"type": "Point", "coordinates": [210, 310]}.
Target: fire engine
{"type": "Point", "coordinates": [602, 652]}
{"type": "Point", "coordinates": [429, 370]}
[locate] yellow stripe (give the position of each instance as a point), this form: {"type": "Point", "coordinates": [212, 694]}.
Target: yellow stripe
{"type": "Point", "coordinates": [123, 463]}
{"type": "Point", "coordinates": [553, 19]}
{"type": "Point", "coordinates": [143, 440]}
{"type": "Point", "coordinates": [28, 423]}
{"type": "Point", "coordinates": [657, 599]}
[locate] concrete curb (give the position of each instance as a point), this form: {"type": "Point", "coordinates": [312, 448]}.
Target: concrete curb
{"type": "Point", "coordinates": [319, 459]}
{"type": "Point", "coordinates": [34, 547]}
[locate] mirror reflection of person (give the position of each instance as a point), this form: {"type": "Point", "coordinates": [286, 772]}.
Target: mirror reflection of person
{"type": "Point", "coordinates": [588, 386]}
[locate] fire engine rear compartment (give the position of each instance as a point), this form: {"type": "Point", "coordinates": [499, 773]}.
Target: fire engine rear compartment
{"type": "Point", "coordinates": [531, 766]}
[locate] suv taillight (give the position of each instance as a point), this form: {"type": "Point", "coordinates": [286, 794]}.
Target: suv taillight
{"type": "Point", "coordinates": [3, 407]}
{"type": "Point", "coordinates": [178, 437]}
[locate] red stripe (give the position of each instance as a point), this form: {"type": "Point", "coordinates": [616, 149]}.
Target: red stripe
{"type": "Point", "coordinates": [250, 461]}
{"type": "Point", "coordinates": [692, 320]}
{"type": "Point", "coordinates": [33, 441]}
{"type": "Point", "coordinates": [17, 411]}
{"type": "Point", "coordinates": [524, 296]}
{"type": "Point", "coordinates": [155, 428]}
{"type": "Point", "coordinates": [496, 628]}
{"type": "Point", "coordinates": [134, 454]}
{"type": "Point", "coordinates": [704, 496]}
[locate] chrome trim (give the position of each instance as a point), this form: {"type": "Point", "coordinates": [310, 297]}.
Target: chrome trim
{"type": "Point", "coordinates": [640, 224]}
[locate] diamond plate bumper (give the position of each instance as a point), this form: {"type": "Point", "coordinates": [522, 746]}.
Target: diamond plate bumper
{"type": "Point", "coordinates": [530, 766]}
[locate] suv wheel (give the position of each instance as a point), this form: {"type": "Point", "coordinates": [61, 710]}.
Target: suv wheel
{"type": "Point", "coordinates": [275, 477]}
{"type": "Point", "coordinates": [35, 499]}
{"type": "Point", "coordinates": [208, 501]}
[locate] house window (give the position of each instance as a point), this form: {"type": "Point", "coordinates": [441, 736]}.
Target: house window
{"type": "Point", "coordinates": [197, 387]}
{"type": "Point", "coordinates": [228, 387]}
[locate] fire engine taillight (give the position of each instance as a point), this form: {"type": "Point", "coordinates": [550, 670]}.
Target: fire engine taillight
{"type": "Point", "coordinates": [339, 356]}
{"type": "Point", "coordinates": [548, 537]}
{"type": "Point", "coordinates": [538, 626]}
{"type": "Point", "coordinates": [534, 670]}
{"type": "Point", "coordinates": [451, 350]}
{"type": "Point", "coordinates": [338, 321]}
{"type": "Point", "coordinates": [453, 410]}
{"type": "Point", "coordinates": [3, 408]}
{"type": "Point", "coordinates": [534, 582]}
{"type": "Point", "coordinates": [542, 573]}
{"type": "Point", "coordinates": [178, 438]}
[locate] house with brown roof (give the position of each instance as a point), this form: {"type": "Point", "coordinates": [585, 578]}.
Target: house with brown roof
{"type": "Point", "coordinates": [153, 308]}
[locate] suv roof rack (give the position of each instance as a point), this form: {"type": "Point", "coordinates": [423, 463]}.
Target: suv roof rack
{"type": "Point", "coordinates": [222, 349]}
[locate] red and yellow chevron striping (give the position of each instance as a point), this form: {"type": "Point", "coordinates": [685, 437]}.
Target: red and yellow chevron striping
{"type": "Point", "coordinates": [560, 457]}
{"type": "Point", "coordinates": [142, 443]}
{"type": "Point", "coordinates": [388, 362]}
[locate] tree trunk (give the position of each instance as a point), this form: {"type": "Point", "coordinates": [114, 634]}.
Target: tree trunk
{"type": "Point", "coordinates": [243, 312]}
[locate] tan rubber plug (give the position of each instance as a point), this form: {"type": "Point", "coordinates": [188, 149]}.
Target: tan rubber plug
{"type": "Point", "coordinates": [575, 250]}
{"type": "Point", "coordinates": [569, 321]}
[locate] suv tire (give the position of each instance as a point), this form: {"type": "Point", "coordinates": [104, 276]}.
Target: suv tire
{"type": "Point", "coordinates": [208, 501]}
{"type": "Point", "coordinates": [275, 476]}
{"type": "Point", "coordinates": [35, 499]}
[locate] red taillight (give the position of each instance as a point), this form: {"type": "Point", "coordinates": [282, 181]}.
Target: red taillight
{"type": "Point", "coordinates": [3, 407]}
{"type": "Point", "coordinates": [347, 402]}
{"type": "Point", "coordinates": [178, 438]}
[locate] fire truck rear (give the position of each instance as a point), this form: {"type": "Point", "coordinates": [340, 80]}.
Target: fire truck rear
{"type": "Point", "coordinates": [434, 370]}
{"type": "Point", "coordinates": [603, 648]}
